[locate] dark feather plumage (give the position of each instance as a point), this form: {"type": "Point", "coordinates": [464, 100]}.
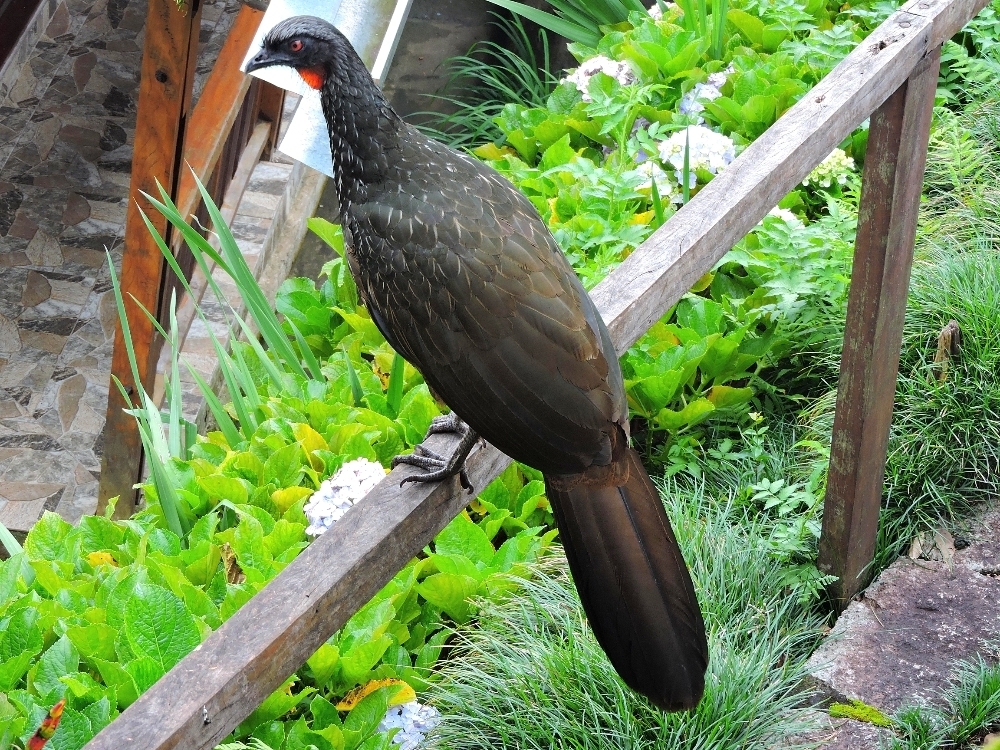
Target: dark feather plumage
{"type": "Point", "coordinates": [463, 278]}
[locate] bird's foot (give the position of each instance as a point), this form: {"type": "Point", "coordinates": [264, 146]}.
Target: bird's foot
{"type": "Point", "coordinates": [439, 467]}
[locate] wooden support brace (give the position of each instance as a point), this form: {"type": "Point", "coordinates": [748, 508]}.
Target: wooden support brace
{"type": "Point", "coordinates": [887, 224]}
{"type": "Point", "coordinates": [167, 78]}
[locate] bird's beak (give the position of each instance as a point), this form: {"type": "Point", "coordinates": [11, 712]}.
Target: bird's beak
{"type": "Point", "coordinates": [266, 59]}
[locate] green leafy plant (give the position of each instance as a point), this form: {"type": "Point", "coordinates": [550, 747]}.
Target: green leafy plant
{"type": "Point", "coordinates": [485, 80]}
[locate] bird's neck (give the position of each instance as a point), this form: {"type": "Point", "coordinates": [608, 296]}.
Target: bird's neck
{"type": "Point", "coordinates": [364, 131]}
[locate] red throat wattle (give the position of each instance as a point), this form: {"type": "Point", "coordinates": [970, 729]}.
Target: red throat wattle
{"type": "Point", "coordinates": [314, 77]}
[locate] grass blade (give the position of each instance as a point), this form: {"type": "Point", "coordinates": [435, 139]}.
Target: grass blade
{"type": "Point", "coordinates": [222, 418]}
{"type": "Point", "coordinates": [686, 173]}
{"type": "Point", "coordinates": [657, 204]}
{"type": "Point", "coordinates": [572, 31]}
{"type": "Point", "coordinates": [11, 544]}
{"type": "Point", "coordinates": [394, 395]}
{"type": "Point", "coordinates": [307, 354]}
{"type": "Point", "coordinates": [352, 378]}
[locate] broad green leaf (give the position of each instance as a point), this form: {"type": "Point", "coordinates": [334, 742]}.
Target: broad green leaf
{"type": "Point", "coordinates": [463, 537]}
{"type": "Point", "coordinates": [21, 634]}
{"type": "Point", "coordinates": [723, 396]}
{"type": "Point", "coordinates": [94, 641]}
{"type": "Point", "coordinates": [97, 534]}
{"type": "Point", "coordinates": [49, 538]}
{"type": "Point", "coordinates": [114, 675]}
{"type": "Point", "coordinates": [59, 659]}
{"type": "Point", "coordinates": [276, 705]}
{"type": "Point", "coordinates": [324, 663]}
{"type": "Point", "coordinates": [356, 663]}
{"type": "Point", "coordinates": [221, 487]}
{"type": "Point", "coordinates": [702, 315]}
{"type": "Point", "coordinates": [695, 412]}
{"type": "Point", "coordinates": [285, 466]}
{"type": "Point", "coordinates": [450, 593]}
{"type": "Point", "coordinates": [159, 626]}
{"type": "Point", "coordinates": [364, 718]}
{"type": "Point", "coordinates": [13, 669]}
{"type": "Point", "coordinates": [144, 671]}
{"type": "Point", "coordinates": [749, 26]}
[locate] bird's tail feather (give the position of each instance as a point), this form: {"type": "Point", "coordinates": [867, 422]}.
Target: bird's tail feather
{"type": "Point", "coordinates": [633, 583]}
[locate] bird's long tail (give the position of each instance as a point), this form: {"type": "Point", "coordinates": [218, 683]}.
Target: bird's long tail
{"type": "Point", "coordinates": [633, 582]}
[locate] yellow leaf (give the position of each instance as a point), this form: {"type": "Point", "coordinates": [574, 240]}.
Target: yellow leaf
{"type": "Point", "coordinates": [101, 558]}
{"type": "Point", "coordinates": [644, 218]}
{"type": "Point", "coordinates": [404, 694]}
{"type": "Point", "coordinates": [287, 497]}
{"type": "Point", "coordinates": [311, 441]}
{"type": "Point", "coordinates": [703, 283]}
{"type": "Point", "coordinates": [492, 151]}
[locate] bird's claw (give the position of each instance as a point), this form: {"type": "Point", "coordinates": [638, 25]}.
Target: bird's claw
{"type": "Point", "coordinates": [436, 466]}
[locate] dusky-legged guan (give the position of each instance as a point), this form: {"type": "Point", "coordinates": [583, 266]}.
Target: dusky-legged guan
{"type": "Point", "coordinates": [464, 280]}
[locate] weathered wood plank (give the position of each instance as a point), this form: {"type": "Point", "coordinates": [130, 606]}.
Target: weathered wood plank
{"type": "Point", "coordinates": [167, 77]}
{"type": "Point", "coordinates": [659, 272]}
{"type": "Point", "coordinates": [281, 627]}
{"type": "Point", "coordinates": [213, 116]}
{"type": "Point", "coordinates": [887, 225]}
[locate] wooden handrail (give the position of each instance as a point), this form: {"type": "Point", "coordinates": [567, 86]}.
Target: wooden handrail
{"type": "Point", "coordinates": [218, 685]}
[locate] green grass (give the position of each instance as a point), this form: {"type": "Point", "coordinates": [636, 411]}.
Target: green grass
{"type": "Point", "coordinates": [970, 708]}
{"type": "Point", "coordinates": [944, 447]}
{"type": "Point", "coordinates": [531, 674]}
{"type": "Point", "coordinates": [483, 81]}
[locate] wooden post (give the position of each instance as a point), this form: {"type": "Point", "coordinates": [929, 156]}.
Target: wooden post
{"type": "Point", "coordinates": [887, 224]}
{"type": "Point", "coordinates": [165, 89]}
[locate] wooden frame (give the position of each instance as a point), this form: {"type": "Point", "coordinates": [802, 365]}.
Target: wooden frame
{"type": "Point", "coordinates": [887, 225]}
{"type": "Point", "coordinates": [219, 684]}
{"type": "Point", "coordinates": [168, 139]}
{"type": "Point", "coordinates": [166, 82]}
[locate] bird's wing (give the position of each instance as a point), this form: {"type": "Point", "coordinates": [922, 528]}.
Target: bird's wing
{"type": "Point", "coordinates": [467, 282]}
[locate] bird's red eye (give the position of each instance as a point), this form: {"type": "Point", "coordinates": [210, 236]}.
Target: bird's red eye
{"type": "Point", "coordinates": [296, 45]}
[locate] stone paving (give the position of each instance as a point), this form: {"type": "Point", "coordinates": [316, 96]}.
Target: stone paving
{"type": "Point", "coordinates": [66, 132]}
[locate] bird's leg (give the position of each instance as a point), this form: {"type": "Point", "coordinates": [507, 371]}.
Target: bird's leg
{"type": "Point", "coordinates": [437, 466]}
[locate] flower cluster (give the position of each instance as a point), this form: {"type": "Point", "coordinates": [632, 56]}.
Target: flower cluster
{"type": "Point", "coordinates": [580, 77]}
{"type": "Point", "coordinates": [690, 103]}
{"type": "Point", "coordinates": [414, 720]}
{"type": "Point", "coordinates": [707, 150]}
{"type": "Point", "coordinates": [336, 495]}
{"type": "Point", "coordinates": [833, 169]}
{"type": "Point", "coordinates": [786, 216]}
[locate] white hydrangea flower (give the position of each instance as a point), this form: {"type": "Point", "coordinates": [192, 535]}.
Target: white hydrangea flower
{"type": "Point", "coordinates": [786, 216]}
{"type": "Point", "coordinates": [691, 101]}
{"type": "Point", "coordinates": [414, 720]}
{"type": "Point", "coordinates": [834, 168]}
{"type": "Point", "coordinates": [651, 170]}
{"type": "Point", "coordinates": [580, 77]}
{"type": "Point", "coordinates": [707, 149]}
{"type": "Point", "coordinates": [655, 12]}
{"type": "Point", "coordinates": [336, 495]}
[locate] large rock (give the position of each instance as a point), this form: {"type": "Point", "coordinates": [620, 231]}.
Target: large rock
{"type": "Point", "coordinates": [898, 643]}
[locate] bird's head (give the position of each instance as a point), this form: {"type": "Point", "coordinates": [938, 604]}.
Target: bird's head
{"type": "Point", "coordinates": [310, 45]}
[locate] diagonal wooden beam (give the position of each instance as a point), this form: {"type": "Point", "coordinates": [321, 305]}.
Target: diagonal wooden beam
{"type": "Point", "coordinates": [887, 226]}
{"type": "Point", "coordinates": [216, 110]}
{"type": "Point", "coordinates": [166, 81]}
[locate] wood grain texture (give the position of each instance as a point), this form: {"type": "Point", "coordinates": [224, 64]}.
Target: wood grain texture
{"type": "Point", "coordinates": [657, 274]}
{"type": "Point", "coordinates": [887, 225]}
{"type": "Point", "coordinates": [273, 635]}
{"type": "Point", "coordinates": [166, 81]}
{"type": "Point", "coordinates": [213, 116]}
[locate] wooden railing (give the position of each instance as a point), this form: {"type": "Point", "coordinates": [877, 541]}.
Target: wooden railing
{"type": "Point", "coordinates": [891, 77]}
